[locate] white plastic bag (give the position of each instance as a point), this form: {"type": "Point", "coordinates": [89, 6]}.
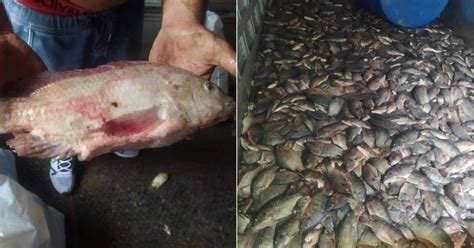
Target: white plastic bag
{"type": "Point", "coordinates": [25, 221]}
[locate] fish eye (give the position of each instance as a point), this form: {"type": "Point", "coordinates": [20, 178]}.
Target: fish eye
{"type": "Point", "coordinates": [208, 86]}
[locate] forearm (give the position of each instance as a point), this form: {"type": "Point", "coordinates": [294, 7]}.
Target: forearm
{"type": "Point", "coordinates": [182, 11]}
{"type": "Point", "coordinates": [4, 23]}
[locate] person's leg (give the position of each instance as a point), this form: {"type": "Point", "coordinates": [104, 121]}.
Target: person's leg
{"type": "Point", "coordinates": [7, 164]}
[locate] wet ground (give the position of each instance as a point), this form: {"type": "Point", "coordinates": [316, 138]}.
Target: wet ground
{"type": "Point", "coordinates": [113, 204]}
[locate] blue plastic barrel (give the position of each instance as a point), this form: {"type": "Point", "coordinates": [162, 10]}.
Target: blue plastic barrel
{"type": "Point", "coordinates": [406, 13]}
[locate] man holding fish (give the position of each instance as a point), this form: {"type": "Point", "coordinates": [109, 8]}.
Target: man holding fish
{"type": "Point", "coordinates": [67, 35]}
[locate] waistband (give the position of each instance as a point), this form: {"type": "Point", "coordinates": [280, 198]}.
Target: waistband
{"type": "Point", "coordinates": [54, 7]}
{"type": "Point", "coordinates": [24, 15]}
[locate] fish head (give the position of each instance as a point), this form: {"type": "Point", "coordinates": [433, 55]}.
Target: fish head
{"type": "Point", "coordinates": [209, 103]}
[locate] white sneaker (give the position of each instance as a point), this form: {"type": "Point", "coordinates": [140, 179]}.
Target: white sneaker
{"type": "Point", "coordinates": [62, 175]}
{"type": "Point", "coordinates": [127, 153]}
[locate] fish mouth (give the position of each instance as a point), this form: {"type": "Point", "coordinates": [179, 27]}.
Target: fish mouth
{"type": "Point", "coordinates": [228, 107]}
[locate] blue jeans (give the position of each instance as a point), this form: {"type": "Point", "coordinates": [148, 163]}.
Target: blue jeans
{"type": "Point", "coordinates": [74, 42]}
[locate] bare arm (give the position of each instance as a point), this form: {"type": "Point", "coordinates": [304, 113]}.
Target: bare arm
{"type": "Point", "coordinates": [17, 60]}
{"type": "Point", "coordinates": [182, 11]}
{"type": "Point", "coordinates": [184, 42]}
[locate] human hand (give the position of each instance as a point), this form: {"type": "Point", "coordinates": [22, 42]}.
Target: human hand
{"type": "Point", "coordinates": [192, 47]}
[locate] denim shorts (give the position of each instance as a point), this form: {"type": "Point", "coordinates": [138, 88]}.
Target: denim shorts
{"type": "Point", "coordinates": [75, 42]}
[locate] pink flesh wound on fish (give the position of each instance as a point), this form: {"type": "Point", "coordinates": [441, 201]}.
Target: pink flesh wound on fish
{"type": "Point", "coordinates": [133, 123]}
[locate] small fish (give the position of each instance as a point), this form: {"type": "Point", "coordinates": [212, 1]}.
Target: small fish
{"type": "Point", "coordinates": [336, 201]}
{"type": "Point", "coordinates": [429, 233]}
{"type": "Point", "coordinates": [325, 131]}
{"type": "Point", "coordinates": [386, 232]}
{"type": "Point", "coordinates": [265, 237]}
{"type": "Point", "coordinates": [355, 123]}
{"type": "Point", "coordinates": [319, 80]}
{"type": "Point", "coordinates": [314, 211]}
{"type": "Point", "coordinates": [371, 176]}
{"type": "Point", "coordinates": [384, 95]}
{"type": "Point", "coordinates": [407, 192]}
{"type": "Point", "coordinates": [275, 210]}
{"type": "Point", "coordinates": [247, 240]}
{"type": "Point", "coordinates": [421, 95]}
{"type": "Point", "coordinates": [288, 156]}
{"type": "Point", "coordinates": [355, 158]}
{"type": "Point", "coordinates": [358, 188]}
{"type": "Point", "coordinates": [431, 205]}
{"type": "Point", "coordinates": [245, 184]}
{"type": "Point", "coordinates": [405, 139]}
{"type": "Point", "coordinates": [339, 140]}
{"type": "Point", "coordinates": [458, 165]}
{"type": "Point", "coordinates": [376, 82]}
{"type": "Point", "coordinates": [368, 239]}
{"type": "Point", "coordinates": [451, 208]}
{"type": "Point", "coordinates": [459, 131]}
{"type": "Point", "coordinates": [312, 237]}
{"type": "Point", "coordinates": [285, 177]}
{"type": "Point", "coordinates": [445, 146]}
{"type": "Point", "coordinates": [402, 211]}
{"type": "Point", "coordinates": [382, 121]}
{"type": "Point", "coordinates": [435, 176]}
{"type": "Point", "coordinates": [398, 171]}
{"type": "Point", "coordinates": [465, 146]}
{"type": "Point", "coordinates": [285, 233]}
{"type": "Point", "coordinates": [327, 239]}
{"type": "Point", "coordinates": [467, 183]}
{"type": "Point", "coordinates": [329, 221]}
{"type": "Point", "coordinates": [263, 180]}
{"type": "Point", "coordinates": [450, 225]}
{"type": "Point", "coordinates": [423, 183]}
{"type": "Point", "coordinates": [339, 181]}
{"type": "Point", "coordinates": [376, 208]}
{"type": "Point", "coordinates": [380, 164]}
{"type": "Point", "coordinates": [324, 149]}
{"type": "Point", "coordinates": [347, 231]}
{"type": "Point", "coordinates": [407, 233]}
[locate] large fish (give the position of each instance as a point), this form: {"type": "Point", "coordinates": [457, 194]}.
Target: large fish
{"type": "Point", "coordinates": [120, 105]}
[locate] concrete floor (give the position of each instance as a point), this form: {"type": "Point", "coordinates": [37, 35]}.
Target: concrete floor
{"type": "Point", "coordinates": [113, 204]}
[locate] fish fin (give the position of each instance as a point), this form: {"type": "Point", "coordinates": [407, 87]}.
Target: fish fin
{"type": "Point", "coordinates": [29, 145]}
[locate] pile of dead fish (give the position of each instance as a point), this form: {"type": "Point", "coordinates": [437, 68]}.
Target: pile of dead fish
{"type": "Point", "coordinates": [358, 133]}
